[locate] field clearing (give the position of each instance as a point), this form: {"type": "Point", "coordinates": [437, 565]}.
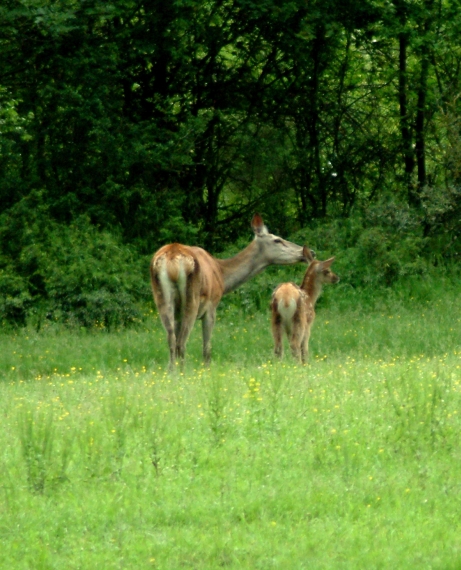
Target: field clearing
{"type": "Point", "coordinates": [350, 462]}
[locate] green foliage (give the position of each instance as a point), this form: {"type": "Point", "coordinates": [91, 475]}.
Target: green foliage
{"type": "Point", "coordinates": [178, 121]}
{"type": "Point", "coordinates": [15, 299]}
{"type": "Point", "coordinates": [160, 122]}
{"type": "Point", "coordinates": [89, 277]}
{"type": "Point", "coordinates": [442, 212]}
{"type": "Point", "coordinates": [46, 461]}
{"type": "Point", "coordinates": [381, 259]}
{"type": "Point", "coordinates": [73, 274]}
{"type": "Point", "coordinates": [36, 438]}
{"type": "Point", "coordinates": [375, 249]}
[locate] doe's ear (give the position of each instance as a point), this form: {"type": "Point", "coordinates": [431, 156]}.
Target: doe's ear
{"type": "Point", "coordinates": [258, 226]}
{"type": "Point", "coordinates": [307, 254]}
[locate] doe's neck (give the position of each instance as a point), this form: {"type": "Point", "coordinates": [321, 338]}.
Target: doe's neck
{"type": "Point", "coordinates": [241, 267]}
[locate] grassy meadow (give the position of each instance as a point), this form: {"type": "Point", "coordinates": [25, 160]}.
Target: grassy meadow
{"type": "Point", "coordinates": [353, 461]}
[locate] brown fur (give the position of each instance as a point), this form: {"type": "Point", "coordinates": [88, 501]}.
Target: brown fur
{"type": "Point", "coordinates": [188, 282]}
{"type": "Point", "coordinates": [293, 307]}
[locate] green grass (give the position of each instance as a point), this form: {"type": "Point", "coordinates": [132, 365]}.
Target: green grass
{"type": "Point", "coordinates": [350, 462]}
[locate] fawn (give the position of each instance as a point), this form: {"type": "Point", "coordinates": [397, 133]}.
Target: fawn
{"type": "Point", "coordinates": [293, 306]}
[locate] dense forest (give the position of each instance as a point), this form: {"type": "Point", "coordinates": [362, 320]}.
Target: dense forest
{"type": "Point", "coordinates": [126, 124]}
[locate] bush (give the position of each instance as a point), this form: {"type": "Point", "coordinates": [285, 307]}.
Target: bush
{"type": "Point", "coordinates": [375, 248]}
{"type": "Point", "coordinates": [80, 275]}
{"type": "Point", "coordinates": [15, 300]}
{"type": "Point", "coordinates": [90, 278]}
{"type": "Point", "coordinates": [71, 274]}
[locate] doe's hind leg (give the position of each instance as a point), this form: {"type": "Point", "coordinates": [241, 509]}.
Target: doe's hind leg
{"type": "Point", "coordinates": [166, 313]}
{"type": "Point", "coordinates": [189, 312]}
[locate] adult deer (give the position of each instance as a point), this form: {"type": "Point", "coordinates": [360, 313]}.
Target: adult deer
{"type": "Point", "coordinates": [188, 282]}
{"type": "Point", "coordinates": [293, 307]}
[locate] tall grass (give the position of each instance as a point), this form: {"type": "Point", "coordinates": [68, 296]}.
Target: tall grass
{"type": "Point", "coordinates": [350, 462]}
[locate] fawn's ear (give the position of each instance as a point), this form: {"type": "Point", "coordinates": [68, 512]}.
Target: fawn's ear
{"type": "Point", "coordinates": [327, 264]}
{"type": "Point", "coordinates": [258, 226]}
{"type": "Point", "coordinates": [308, 254]}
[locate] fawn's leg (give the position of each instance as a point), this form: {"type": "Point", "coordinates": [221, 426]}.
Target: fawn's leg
{"type": "Point", "coordinates": [277, 334]}
{"type": "Point", "coordinates": [296, 338]}
{"type": "Point", "coordinates": [305, 345]}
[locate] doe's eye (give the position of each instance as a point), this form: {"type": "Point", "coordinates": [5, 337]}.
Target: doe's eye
{"type": "Point", "coordinates": [277, 240]}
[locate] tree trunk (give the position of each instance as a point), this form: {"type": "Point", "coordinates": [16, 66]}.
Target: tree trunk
{"type": "Point", "coordinates": [408, 154]}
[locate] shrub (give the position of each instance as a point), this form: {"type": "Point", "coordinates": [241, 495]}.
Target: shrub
{"type": "Point", "coordinates": [376, 247]}
{"type": "Point", "coordinates": [89, 277]}
{"type": "Point", "coordinates": [72, 274]}
{"type": "Point", "coordinates": [15, 299]}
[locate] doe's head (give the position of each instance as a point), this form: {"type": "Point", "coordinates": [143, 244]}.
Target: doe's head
{"type": "Point", "coordinates": [274, 249]}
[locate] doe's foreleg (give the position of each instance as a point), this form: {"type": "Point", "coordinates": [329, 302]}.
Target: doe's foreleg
{"type": "Point", "coordinates": [208, 322]}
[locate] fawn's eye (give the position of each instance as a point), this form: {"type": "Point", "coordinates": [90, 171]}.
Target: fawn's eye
{"type": "Point", "coordinates": [277, 240]}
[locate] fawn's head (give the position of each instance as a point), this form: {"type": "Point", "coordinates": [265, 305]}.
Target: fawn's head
{"type": "Point", "coordinates": [319, 270]}
{"type": "Point", "coordinates": [325, 274]}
